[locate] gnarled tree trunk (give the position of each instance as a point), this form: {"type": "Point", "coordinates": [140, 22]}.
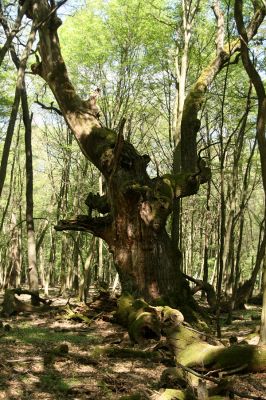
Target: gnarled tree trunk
{"type": "Point", "coordinates": [135, 207]}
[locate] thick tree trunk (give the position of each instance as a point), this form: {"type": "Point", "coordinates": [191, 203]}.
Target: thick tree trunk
{"type": "Point", "coordinates": [146, 265]}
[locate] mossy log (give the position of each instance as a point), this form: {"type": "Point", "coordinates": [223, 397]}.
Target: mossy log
{"type": "Point", "coordinates": [190, 348]}
{"type": "Point", "coordinates": [177, 394]}
{"type": "Point", "coordinates": [144, 321]}
{"type": "Point", "coordinates": [191, 351]}
{"type": "Point", "coordinates": [177, 377]}
{"type": "Point", "coordinates": [173, 394]}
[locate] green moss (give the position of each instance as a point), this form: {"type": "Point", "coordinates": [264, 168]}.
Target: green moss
{"type": "Point", "coordinates": [178, 377]}
{"type": "Point", "coordinates": [124, 304]}
{"type": "Point", "coordinates": [168, 186]}
{"type": "Point", "coordinates": [98, 351]}
{"type": "Point", "coordinates": [76, 316]}
{"type": "Point", "coordinates": [173, 394]}
{"type": "Point", "coordinates": [181, 337]}
{"type": "Point", "coordinates": [172, 313]}
{"type": "Point", "coordinates": [239, 355]}
{"type": "Point", "coordinates": [217, 398]}
{"type": "Point", "coordinates": [198, 353]}
{"type": "Point", "coordinates": [144, 325]}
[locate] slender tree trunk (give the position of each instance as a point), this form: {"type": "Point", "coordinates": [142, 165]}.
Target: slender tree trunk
{"type": "Point", "coordinates": [32, 258]}
{"type": "Point", "coordinates": [8, 139]}
{"type": "Point", "coordinates": [11, 34]}
{"type": "Point", "coordinates": [63, 203]}
{"type": "Point", "coordinates": [260, 126]}
{"type": "Point", "coordinates": [181, 68]}
{"type": "Point", "coordinates": [86, 277]}
{"type": "Point", "coordinates": [51, 263]}
{"type": "Point", "coordinates": [220, 265]}
{"type": "Point", "coordinates": [206, 239]}
{"type": "Point", "coordinates": [27, 119]}
{"type": "Point", "coordinates": [263, 313]}
{"type": "Point", "coordinates": [100, 241]}
{"type": "Point", "coordinates": [15, 256]}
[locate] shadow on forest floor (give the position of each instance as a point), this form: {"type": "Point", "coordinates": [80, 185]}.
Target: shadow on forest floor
{"type": "Point", "coordinates": [46, 357]}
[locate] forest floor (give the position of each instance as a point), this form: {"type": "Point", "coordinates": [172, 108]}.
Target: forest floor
{"type": "Point", "coordinates": [45, 356]}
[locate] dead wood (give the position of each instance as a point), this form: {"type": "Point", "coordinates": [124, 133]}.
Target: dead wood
{"type": "Point", "coordinates": [189, 348]}
{"type": "Point", "coordinates": [12, 305]}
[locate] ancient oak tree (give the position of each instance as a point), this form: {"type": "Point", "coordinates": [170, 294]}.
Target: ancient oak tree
{"type": "Point", "coordinates": [136, 207]}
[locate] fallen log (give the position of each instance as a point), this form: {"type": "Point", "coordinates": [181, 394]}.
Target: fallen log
{"type": "Point", "coordinates": [12, 305]}
{"type": "Point", "coordinates": [191, 351]}
{"type": "Point", "coordinates": [144, 321]}
{"type": "Point", "coordinates": [189, 347]}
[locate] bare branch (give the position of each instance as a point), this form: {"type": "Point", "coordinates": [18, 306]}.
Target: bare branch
{"type": "Point", "coordinates": [99, 226]}
{"type": "Point", "coordinates": [12, 33]}
{"type": "Point", "coordinates": [51, 107]}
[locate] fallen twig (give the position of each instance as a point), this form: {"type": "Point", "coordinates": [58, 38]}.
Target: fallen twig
{"type": "Point", "coordinates": [24, 360]}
